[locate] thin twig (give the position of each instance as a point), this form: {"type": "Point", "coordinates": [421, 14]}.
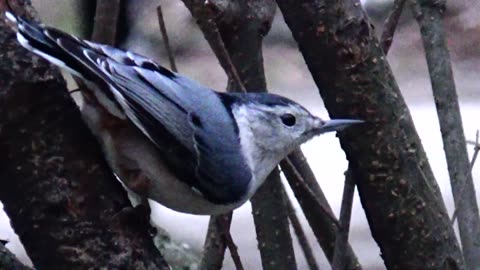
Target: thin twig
{"type": "Point", "coordinates": [221, 50]}
{"type": "Point", "coordinates": [232, 247]}
{"type": "Point", "coordinates": [472, 163]}
{"type": "Point", "coordinates": [218, 238]}
{"type": "Point", "coordinates": [165, 38]}
{"type": "Point", "coordinates": [390, 25]}
{"type": "Point", "coordinates": [297, 158]}
{"type": "Point", "coordinates": [286, 164]}
{"type": "Point", "coordinates": [231, 67]}
{"type": "Point", "coordinates": [341, 242]}
{"type": "Point", "coordinates": [106, 21]}
{"type": "Point", "coordinates": [476, 150]}
{"type": "Point", "coordinates": [300, 233]}
{"type": "Point", "coordinates": [215, 244]}
{"type": "Point", "coordinates": [309, 194]}
{"type": "Point", "coordinates": [471, 142]}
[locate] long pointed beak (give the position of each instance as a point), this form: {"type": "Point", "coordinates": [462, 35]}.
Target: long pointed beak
{"type": "Point", "coordinates": [337, 124]}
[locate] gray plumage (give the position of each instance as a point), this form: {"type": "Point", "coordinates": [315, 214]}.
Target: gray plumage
{"type": "Point", "coordinates": [196, 150]}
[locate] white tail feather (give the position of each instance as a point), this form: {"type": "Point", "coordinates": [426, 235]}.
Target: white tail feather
{"type": "Point", "coordinates": [10, 17]}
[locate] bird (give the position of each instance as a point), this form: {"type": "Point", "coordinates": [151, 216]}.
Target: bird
{"type": "Point", "coordinates": [169, 138]}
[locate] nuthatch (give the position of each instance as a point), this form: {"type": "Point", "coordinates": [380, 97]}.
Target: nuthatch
{"type": "Point", "coordinates": [170, 138]}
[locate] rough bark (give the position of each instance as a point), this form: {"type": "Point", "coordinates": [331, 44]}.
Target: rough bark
{"type": "Point", "coordinates": [106, 20]}
{"type": "Point", "coordinates": [239, 27]}
{"type": "Point", "coordinates": [63, 201]}
{"type": "Point", "coordinates": [390, 25]}
{"type": "Point", "coordinates": [215, 243]}
{"type": "Point", "coordinates": [271, 224]}
{"type": "Point", "coordinates": [429, 15]}
{"type": "Point", "coordinates": [397, 188]}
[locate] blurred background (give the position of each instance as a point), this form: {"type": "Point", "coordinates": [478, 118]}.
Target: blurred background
{"type": "Point", "coordinates": [287, 75]}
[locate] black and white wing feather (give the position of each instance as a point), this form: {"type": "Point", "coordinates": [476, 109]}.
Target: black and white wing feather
{"type": "Point", "coordinates": [187, 122]}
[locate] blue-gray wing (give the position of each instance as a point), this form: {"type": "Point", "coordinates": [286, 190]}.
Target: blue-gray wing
{"type": "Point", "coordinates": [174, 108]}
{"type": "Point", "coordinates": [186, 121]}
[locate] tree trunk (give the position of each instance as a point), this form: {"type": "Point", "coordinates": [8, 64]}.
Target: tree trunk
{"type": "Point", "coordinates": [397, 188]}
{"type": "Point", "coordinates": [63, 201]}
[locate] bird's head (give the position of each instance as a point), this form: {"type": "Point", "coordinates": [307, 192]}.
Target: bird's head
{"type": "Point", "coordinates": [271, 126]}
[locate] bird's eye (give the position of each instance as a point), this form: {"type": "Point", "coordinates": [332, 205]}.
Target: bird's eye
{"type": "Point", "coordinates": [288, 119]}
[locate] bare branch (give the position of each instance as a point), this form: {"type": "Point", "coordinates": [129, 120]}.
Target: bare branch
{"type": "Point", "coordinates": [165, 38]}
{"type": "Point", "coordinates": [224, 55]}
{"type": "Point", "coordinates": [390, 25]}
{"type": "Point", "coordinates": [341, 242]}
{"type": "Point", "coordinates": [220, 32]}
{"type": "Point", "coordinates": [472, 142]}
{"type": "Point", "coordinates": [215, 242]}
{"type": "Point", "coordinates": [296, 180]}
{"type": "Point", "coordinates": [299, 232]}
{"type": "Point", "coordinates": [315, 207]}
{"type": "Point", "coordinates": [429, 15]}
{"type": "Point", "coordinates": [271, 224]}
{"type": "Point", "coordinates": [476, 150]}
{"type": "Point", "coordinates": [106, 21]}
{"type": "Point", "coordinates": [233, 249]}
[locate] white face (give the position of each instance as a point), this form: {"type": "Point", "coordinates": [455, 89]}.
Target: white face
{"type": "Point", "coordinates": [280, 128]}
{"type": "Point", "coordinates": [269, 133]}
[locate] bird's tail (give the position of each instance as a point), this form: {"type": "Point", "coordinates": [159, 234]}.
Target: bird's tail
{"type": "Point", "coordinates": [51, 44]}
{"type": "Point", "coordinates": [90, 61]}
{"type": "Point", "coordinates": [80, 57]}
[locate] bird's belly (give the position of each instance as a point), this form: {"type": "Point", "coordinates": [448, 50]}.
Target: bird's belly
{"type": "Point", "coordinates": [139, 165]}
{"type": "Point", "coordinates": [163, 186]}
